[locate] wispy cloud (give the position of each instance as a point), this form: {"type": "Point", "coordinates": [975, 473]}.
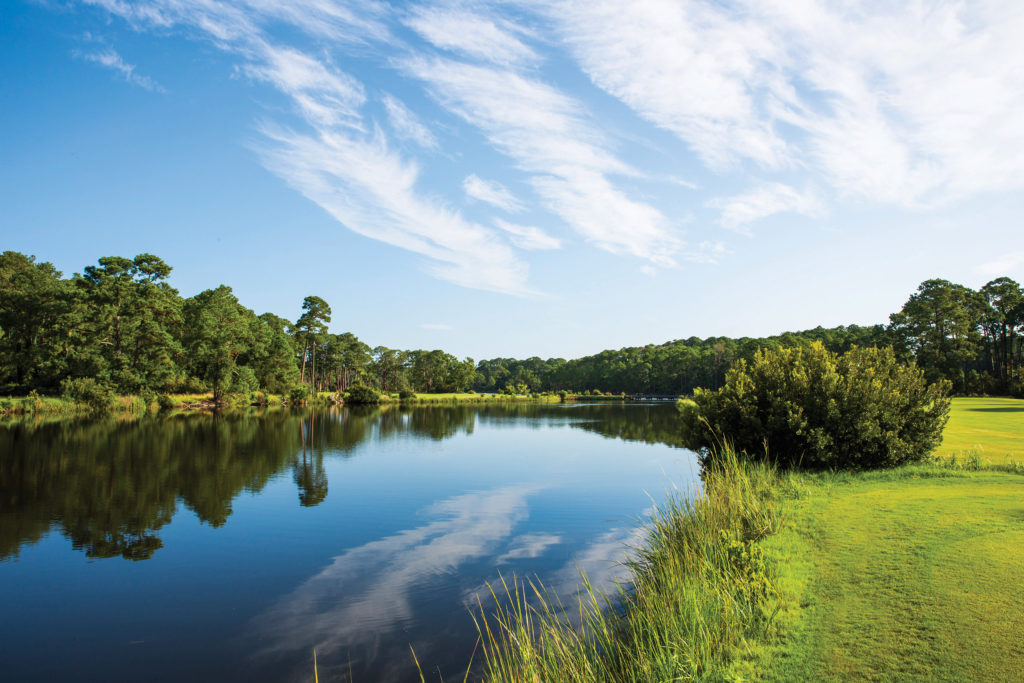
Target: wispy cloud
{"type": "Point", "coordinates": [1003, 266]}
{"type": "Point", "coordinates": [344, 165]}
{"type": "Point", "coordinates": [491, 192]}
{"type": "Point", "coordinates": [547, 134]}
{"type": "Point", "coordinates": [112, 60]}
{"type": "Point", "coordinates": [907, 103]}
{"type": "Point", "coordinates": [487, 38]}
{"type": "Point", "coordinates": [708, 251]}
{"type": "Point", "coordinates": [406, 125]}
{"type": "Point", "coordinates": [372, 191]}
{"type": "Point", "coordinates": [325, 95]}
{"type": "Point", "coordinates": [763, 200]}
{"type": "Point", "coordinates": [436, 326]}
{"type": "Point", "coordinates": [528, 237]}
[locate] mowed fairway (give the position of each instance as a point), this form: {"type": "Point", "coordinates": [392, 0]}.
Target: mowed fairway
{"type": "Point", "coordinates": [991, 427]}
{"type": "Point", "coordinates": [917, 578]}
{"type": "Point", "coordinates": [915, 574]}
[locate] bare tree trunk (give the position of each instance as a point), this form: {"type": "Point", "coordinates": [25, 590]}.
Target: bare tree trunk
{"type": "Point", "coordinates": [302, 374]}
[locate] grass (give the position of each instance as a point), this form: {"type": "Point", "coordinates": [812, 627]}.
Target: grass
{"type": "Point", "coordinates": [912, 574]}
{"type": "Point", "coordinates": [480, 398]}
{"type": "Point", "coordinates": [992, 427]}
{"type": "Point", "coordinates": [908, 575]}
{"type": "Point", "coordinates": [701, 592]}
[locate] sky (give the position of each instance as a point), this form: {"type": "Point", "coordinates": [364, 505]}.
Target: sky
{"type": "Point", "coordinates": [523, 178]}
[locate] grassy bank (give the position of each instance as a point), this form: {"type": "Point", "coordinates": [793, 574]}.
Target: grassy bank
{"type": "Point", "coordinates": [483, 398]}
{"type": "Point", "coordinates": [702, 594]}
{"type": "Point", "coordinates": [992, 428]}
{"type": "Point", "coordinates": [15, 406]}
{"type": "Point", "coordinates": [906, 574]}
{"type": "Point", "coordinates": [12, 406]}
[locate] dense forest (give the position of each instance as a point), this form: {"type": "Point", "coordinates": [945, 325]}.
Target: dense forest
{"type": "Point", "coordinates": [121, 325]}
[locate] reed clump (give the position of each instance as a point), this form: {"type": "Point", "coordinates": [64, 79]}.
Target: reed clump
{"type": "Point", "coordinates": [701, 595]}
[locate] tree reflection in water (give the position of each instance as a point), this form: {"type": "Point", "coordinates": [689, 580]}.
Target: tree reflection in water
{"type": "Point", "coordinates": [110, 485]}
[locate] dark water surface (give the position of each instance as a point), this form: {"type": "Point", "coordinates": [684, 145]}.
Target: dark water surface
{"type": "Point", "coordinates": [192, 547]}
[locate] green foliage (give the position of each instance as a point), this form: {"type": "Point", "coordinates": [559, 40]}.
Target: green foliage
{"type": "Point", "coordinates": [166, 402]}
{"type": "Point", "coordinates": [87, 391]}
{"type": "Point", "coordinates": [810, 407]}
{"type": "Point", "coordinates": [359, 394]}
{"type": "Point", "coordinates": [406, 395]}
{"type": "Point", "coordinates": [299, 394]}
{"type": "Point", "coordinates": [121, 323]}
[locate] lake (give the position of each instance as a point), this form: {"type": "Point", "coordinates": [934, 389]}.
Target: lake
{"type": "Point", "coordinates": [195, 547]}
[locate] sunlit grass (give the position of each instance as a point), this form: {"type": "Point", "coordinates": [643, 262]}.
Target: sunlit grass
{"type": "Point", "coordinates": [991, 427]}
{"type": "Point", "coordinates": [701, 591]}
{"type": "Point", "coordinates": [481, 398]}
{"type": "Point", "coordinates": [913, 574]}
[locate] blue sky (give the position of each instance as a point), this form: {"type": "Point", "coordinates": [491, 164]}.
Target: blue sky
{"type": "Point", "coordinates": [523, 178]}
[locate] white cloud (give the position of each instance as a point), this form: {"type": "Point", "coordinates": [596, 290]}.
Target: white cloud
{"type": "Point", "coordinates": [915, 104]}
{"type": "Point", "coordinates": [241, 20]}
{"type": "Point", "coordinates": [486, 38]}
{"type": "Point", "coordinates": [708, 251]}
{"type": "Point", "coordinates": [406, 124]}
{"type": "Point", "coordinates": [547, 134]}
{"type": "Point", "coordinates": [685, 66]}
{"type": "Point", "coordinates": [1002, 266]}
{"type": "Point", "coordinates": [528, 237]}
{"type": "Point", "coordinates": [436, 326]}
{"type": "Point", "coordinates": [763, 200]}
{"type": "Point", "coordinates": [112, 60]}
{"type": "Point", "coordinates": [347, 170]}
{"type": "Point", "coordinates": [325, 95]}
{"type": "Point", "coordinates": [371, 190]}
{"type": "Point", "coordinates": [491, 192]}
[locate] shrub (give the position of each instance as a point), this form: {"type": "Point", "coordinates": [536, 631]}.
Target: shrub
{"type": "Point", "coordinates": [147, 398]}
{"type": "Point", "coordinates": [87, 391]}
{"type": "Point", "coordinates": [165, 402]}
{"type": "Point", "coordinates": [406, 395]}
{"type": "Point", "coordinates": [243, 380]}
{"type": "Point", "coordinates": [810, 407]}
{"type": "Point", "coordinates": [299, 394]}
{"type": "Point", "coordinates": [360, 394]}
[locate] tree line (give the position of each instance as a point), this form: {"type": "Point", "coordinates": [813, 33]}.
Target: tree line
{"type": "Point", "coordinates": [121, 325]}
{"type": "Point", "coordinates": [973, 338]}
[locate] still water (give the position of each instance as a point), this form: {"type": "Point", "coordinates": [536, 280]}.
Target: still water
{"type": "Point", "coordinates": [192, 547]}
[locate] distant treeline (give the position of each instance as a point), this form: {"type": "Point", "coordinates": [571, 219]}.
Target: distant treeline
{"type": "Point", "coordinates": [975, 339]}
{"type": "Point", "coordinates": [121, 325]}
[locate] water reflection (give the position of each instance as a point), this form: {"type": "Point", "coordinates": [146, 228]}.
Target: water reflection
{"type": "Point", "coordinates": [358, 532]}
{"type": "Point", "coordinates": [348, 610]}
{"type": "Point", "coordinates": [110, 485]}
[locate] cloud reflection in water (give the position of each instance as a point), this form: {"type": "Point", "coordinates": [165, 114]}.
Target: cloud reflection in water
{"type": "Point", "coordinates": [367, 592]}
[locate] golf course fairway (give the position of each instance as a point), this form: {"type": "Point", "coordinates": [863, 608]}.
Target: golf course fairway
{"type": "Point", "coordinates": [910, 574]}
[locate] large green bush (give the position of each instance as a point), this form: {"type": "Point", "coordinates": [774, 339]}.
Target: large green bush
{"type": "Point", "coordinates": [812, 408]}
{"type": "Point", "coordinates": [361, 395]}
{"type": "Point", "coordinates": [87, 391]}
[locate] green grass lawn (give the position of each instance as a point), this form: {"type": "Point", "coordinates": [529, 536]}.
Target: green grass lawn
{"type": "Point", "coordinates": [992, 427]}
{"type": "Point", "coordinates": [916, 574]}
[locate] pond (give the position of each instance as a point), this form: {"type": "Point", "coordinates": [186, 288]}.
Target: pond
{"type": "Point", "coordinates": [195, 547]}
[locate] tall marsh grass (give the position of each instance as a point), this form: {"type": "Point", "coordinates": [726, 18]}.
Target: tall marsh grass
{"type": "Point", "coordinates": [701, 593]}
